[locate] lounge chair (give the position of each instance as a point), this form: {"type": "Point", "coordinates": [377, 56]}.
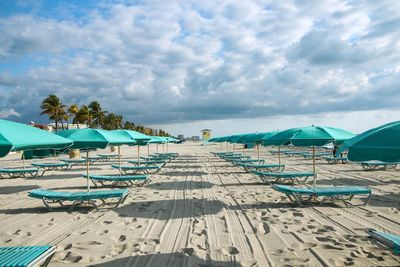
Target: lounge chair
{"type": "Point", "coordinates": [282, 177]}
{"type": "Point", "coordinates": [148, 162]}
{"type": "Point", "coordinates": [236, 158]}
{"type": "Point", "coordinates": [294, 153]}
{"type": "Point", "coordinates": [44, 167]}
{"type": "Point", "coordinates": [377, 165]}
{"type": "Point", "coordinates": [248, 161]}
{"type": "Point", "coordinates": [390, 240]}
{"type": "Point", "coordinates": [275, 152]}
{"type": "Point", "coordinates": [18, 172]}
{"type": "Point", "coordinates": [335, 160]}
{"type": "Point", "coordinates": [136, 169]}
{"type": "Point", "coordinates": [171, 154]}
{"type": "Point", "coordinates": [117, 179]}
{"type": "Point", "coordinates": [220, 153]}
{"type": "Point", "coordinates": [76, 162]}
{"type": "Point", "coordinates": [78, 198]}
{"type": "Point", "coordinates": [94, 159]}
{"type": "Point", "coordinates": [26, 256]}
{"type": "Point", "coordinates": [264, 167]}
{"type": "Point", "coordinates": [107, 157]}
{"type": "Point", "coordinates": [321, 195]}
{"type": "Point", "coordinates": [318, 155]}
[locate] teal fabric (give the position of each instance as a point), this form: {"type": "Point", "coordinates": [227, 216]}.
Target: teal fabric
{"type": "Point", "coordinates": [156, 140]}
{"type": "Point", "coordinates": [95, 138]}
{"type": "Point", "coordinates": [72, 196]}
{"type": "Point", "coordinates": [380, 143]}
{"type": "Point", "coordinates": [323, 191]}
{"type": "Point", "coordinates": [257, 138]}
{"type": "Point", "coordinates": [141, 139]}
{"type": "Point", "coordinates": [19, 170]}
{"type": "Point", "coordinates": [393, 240]}
{"type": "Point", "coordinates": [117, 178]}
{"type": "Point", "coordinates": [125, 167]}
{"type": "Point", "coordinates": [16, 136]}
{"type": "Point", "coordinates": [308, 136]}
{"type": "Point", "coordinates": [21, 256]}
{"type": "Point", "coordinates": [284, 174]}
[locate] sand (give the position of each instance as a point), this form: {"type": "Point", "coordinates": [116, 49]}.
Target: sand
{"type": "Point", "coordinates": [201, 211]}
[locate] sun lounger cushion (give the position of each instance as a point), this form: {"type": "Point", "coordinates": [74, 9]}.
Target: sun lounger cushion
{"type": "Point", "coordinates": [117, 177]}
{"type": "Point", "coordinates": [390, 240]}
{"type": "Point", "coordinates": [81, 195]}
{"type": "Point", "coordinates": [50, 165]}
{"type": "Point", "coordinates": [19, 170]}
{"type": "Point", "coordinates": [25, 256]}
{"type": "Point", "coordinates": [323, 191]}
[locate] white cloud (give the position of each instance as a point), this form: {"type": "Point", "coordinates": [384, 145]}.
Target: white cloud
{"type": "Point", "coordinates": [180, 61]}
{"type": "Point", "coordinates": [5, 113]}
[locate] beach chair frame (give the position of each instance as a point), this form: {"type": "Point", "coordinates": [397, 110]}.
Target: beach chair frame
{"type": "Point", "coordinates": [310, 199]}
{"type": "Point", "coordinates": [129, 170]}
{"type": "Point", "coordinates": [374, 166]}
{"type": "Point", "coordinates": [18, 173]}
{"type": "Point", "coordinates": [44, 167]}
{"type": "Point", "coordinates": [127, 180]}
{"type": "Point", "coordinates": [266, 167]}
{"type": "Point", "coordinates": [283, 178]}
{"type": "Point", "coordinates": [336, 160]}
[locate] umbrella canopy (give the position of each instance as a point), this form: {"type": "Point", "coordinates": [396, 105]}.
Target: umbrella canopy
{"type": "Point", "coordinates": [257, 138]}
{"type": "Point", "coordinates": [16, 136]}
{"type": "Point", "coordinates": [380, 143]}
{"type": "Point", "coordinates": [308, 136]}
{"type": "Point", "coordinates": [95, 138]}
{"type": "Point", "coordinates": [141, 139]}
{"type": "Point", "coordinates": [243, 138]}
{"type": "Point", "coordinates": [156, 140]}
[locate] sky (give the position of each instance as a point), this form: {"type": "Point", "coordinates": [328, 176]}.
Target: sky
{"type": "Point", "coordinates": [230, 66]}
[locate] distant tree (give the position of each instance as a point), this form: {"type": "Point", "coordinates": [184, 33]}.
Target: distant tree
{"type": "Point", "coordinates": [83, 116]}
{"type": "Point", "coordinates": [97, 113]}
{"type": "Point", "coordinates": [53, 107]}
{"type": "Point", "coordinates": [73, 111]}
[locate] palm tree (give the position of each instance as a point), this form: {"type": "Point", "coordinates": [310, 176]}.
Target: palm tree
{"type": "Point", "coordinates": [83, 115]}
{"type": "Point", "coordinates": [53, 107]}
{"type": "Point", "coordinates": [98, 114]}
{"type": "Point", "coordinates": [73, 111]}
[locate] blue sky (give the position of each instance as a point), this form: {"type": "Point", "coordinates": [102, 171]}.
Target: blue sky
{"type": "Point", "coordinates": [232, 66]}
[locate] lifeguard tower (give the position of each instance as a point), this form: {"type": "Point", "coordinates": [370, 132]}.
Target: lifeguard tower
{"type": "Point", "coordinates": [205, 134]}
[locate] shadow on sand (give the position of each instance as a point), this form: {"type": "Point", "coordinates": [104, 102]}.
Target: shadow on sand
{"type": "Point", "coordinates": [7, 190]}
{"type": "Point", "coordinates": [184, 173]}
{"type": "Point", "coordinates": [180, 185]}
{"type": "Point", "coordinates": [181, 258]}
{"type": "Point", "coordinates": [170, 209]}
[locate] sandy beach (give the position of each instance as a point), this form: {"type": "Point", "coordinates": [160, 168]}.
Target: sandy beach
{"type": "Point", "coordinates": [201, 211]}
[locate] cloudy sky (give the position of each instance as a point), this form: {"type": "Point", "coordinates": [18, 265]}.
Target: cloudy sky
{"type": "Point", "coordinates": [232, 66]}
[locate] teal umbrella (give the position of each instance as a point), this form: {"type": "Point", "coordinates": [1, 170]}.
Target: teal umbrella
{"type": "Point", "coordinates": [311, 136]}
{"type": "Point", "coordinates": [380, 143]}
{"type": "Point", "coordinates": [257, 139]}
{"type": "Point", "coordinates": [95, 138]}
{"type": "Point", "coordinates": [141, 139]}
{"type": "Point", "coordinates": [16, 136]}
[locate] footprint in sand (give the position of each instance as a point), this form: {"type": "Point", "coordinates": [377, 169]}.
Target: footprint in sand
{"type": "Point", "coordinates": [230, 250]}
{"type": "Point", "coordinates": [107, 222]}
{"type": "Point", "coordinates": [122, 238]}
{"type": "Point", "coordinates": [184, 252]}
{"type": "Point", "coordinates": [263, 228]}
{"type": "Point", "coordinates": [72, 258]}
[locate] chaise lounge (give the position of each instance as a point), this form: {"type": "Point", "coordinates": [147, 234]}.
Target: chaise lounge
{"type": "Point", "coordinates": [390, 240]}
{"type": "Point", "coordinates": [26, 256]}
{"type": "Point", "coordinates": [44, 167]}
{"type": "Point", "coordinates": [18, 172]}
{"type": "Point", "coordinates": [377, 165]}
{"type": "Point", "coordinates": [136, 169]}
{"type": "Point", "coordinates": [78, 198]}
{"type": "Point", "coordinates": [283, 177]}
{"type": "Point", "coordinates": [118, 179]}
{"type": "Point", "coordinates": [321, 195]}
{"type": "Point", "coordinates": [264, 167]}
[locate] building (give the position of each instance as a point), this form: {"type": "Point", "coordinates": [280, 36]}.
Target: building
{"type": "Point", "coordinates": [181, 137]}
{"type": "Point", "coordinates": [205, 134]}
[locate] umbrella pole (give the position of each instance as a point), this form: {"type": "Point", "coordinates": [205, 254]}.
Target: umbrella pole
{"type": "Point", "coordinates": [157, 148]}
{"type": "Point", "coordinates": [148, 150]}
{"type": "Point", "coordinates": [119, 159]}
{"type": "Point", "coordinates": [279, 154]}
{"type": "Point", "coordinates": [167, 147]}
{"type": "Point", "coordinates": [243, 149]}
{"type": "Point", "coordinates": [221, 146]}
{"type": "Point", "coordinates": [138, 153]}
{"type": "Point", "coordinates": [314, 167]}
{"type": "Point", "coordinates": [258, 152]}
{"type": "Point", "coordinates": [227, 147]}
{"type": "Point", "coordinates": [87, 170]}
{"type": "Point", "coordinates": [23, 159]}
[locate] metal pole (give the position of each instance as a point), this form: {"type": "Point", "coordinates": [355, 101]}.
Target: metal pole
{"type": "Point", "coordinates": [119, 159]}
{"type": "Point", "coordinates": [148, 150]}
{"type": "Point", "coordinates": [314, 167]}
{"type": "Point", "coordinates": [243, 149]}
{"type": "Point", "coordinates": [138, 153]}
{"type": "Point", "coordinates": [279, 154]}
{"type": "Point", "coordinates": [157, 147]}
{"type": "Point", "coordinates": [258, 152]}
{"type": "Point", "coordinates": [23, 159]}
{"type": "Point", "coordinates": [87, 170]}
